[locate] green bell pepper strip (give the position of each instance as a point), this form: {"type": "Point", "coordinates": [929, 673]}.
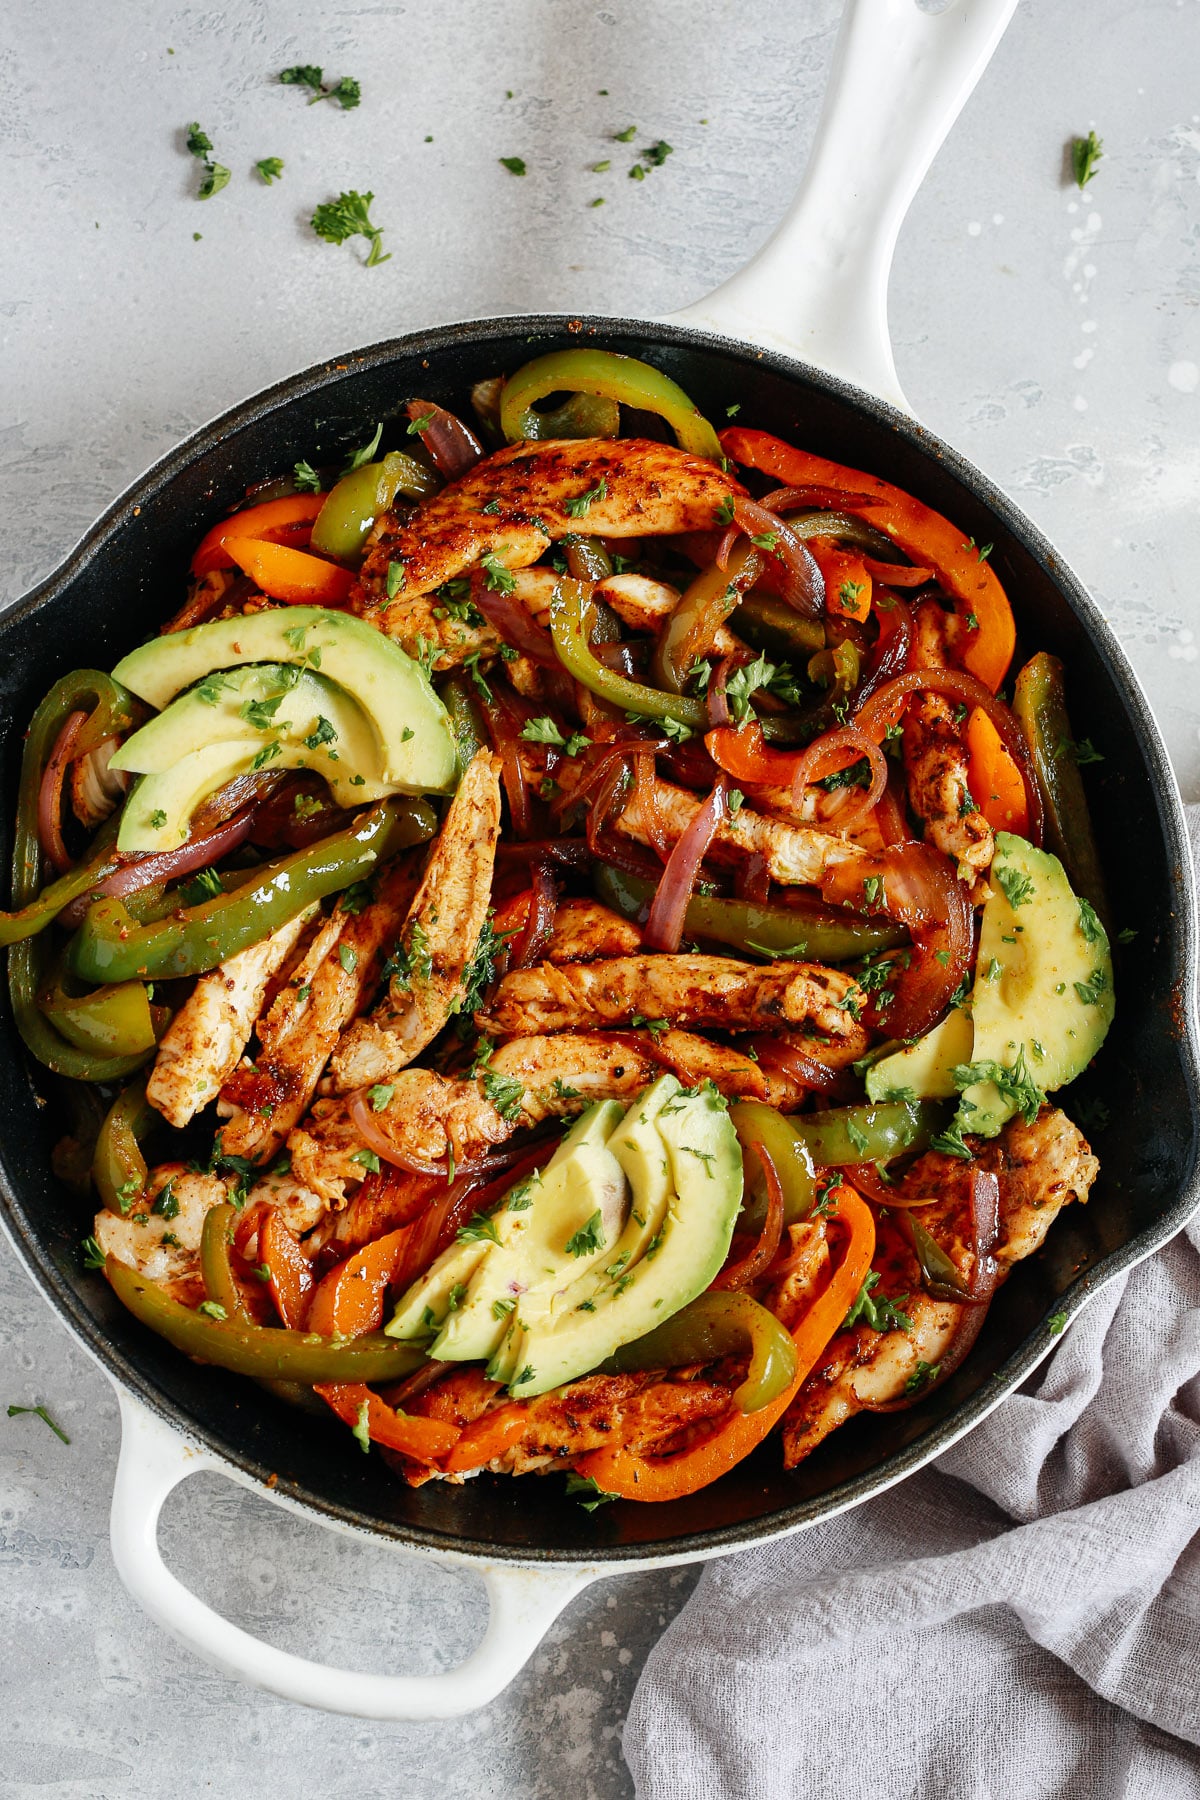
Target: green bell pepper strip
{"type": "Point", "coordinates": [119, 1172]}
{"type": "Point", "coordinates": [709, 1327]}
{"type": "Point", "coordinates": [114, 1020]}
{"type": "Point", "coordinates": [263, 1351]}
{"type": "Point", "coordinates": [702, 608]}
{"type": "Point", "coordinates": [466, 720]}
{"type": "Point", "coordinates": [758, 930]}
{"type": "Point", "coordinates": [770, 624]}
{"type": "Point", "coordinates": [1039, 701]}
{"type": "Point", "coordinates": [620, 378]}
{"type": "Point", "coordinates": [842, 526]}
{"type": "Point", "coordinates": [579, 416]}
{"type": "Point", "coordinates": [356, 501]}
{"type": "Point", "coordinates": [570, 629]}
{"type": "Point", "coordinates": [859, 1134]}
{"type": "Point", "coordinates": [109, 946]}
{"type": "Point", "coordinates": [587, 559]}
{"type": "Point", "coordinates": [215, 1266]}
{"type": "Point", "coordinates": [759, 1124]}
{"type": "Point", "coordinates": [939, 1273]}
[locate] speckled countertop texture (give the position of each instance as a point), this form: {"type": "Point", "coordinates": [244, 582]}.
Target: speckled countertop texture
{"type": "Point", "coordinates": [1054, 337]}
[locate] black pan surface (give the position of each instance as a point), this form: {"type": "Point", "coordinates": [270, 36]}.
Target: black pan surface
{"type": "Point", "coordinates": [128, 575]}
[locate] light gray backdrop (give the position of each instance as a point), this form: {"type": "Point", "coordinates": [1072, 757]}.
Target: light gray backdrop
{"type": "Point", "coordinates": [1053, 337]}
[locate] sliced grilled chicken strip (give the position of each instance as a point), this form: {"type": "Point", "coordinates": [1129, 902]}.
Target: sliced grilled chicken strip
{"type": "Point", "coordinates": [438, 939]}
{"type": "Point", "coordinates": [634, 487]}
{"type": "Point", "coordinates": [530, 1079]}
{"type": "Point", "coordinates": [1042, 1168]}
{"type": "Point", "coordinates": [585, 930]}
{"type": "Point", "coordinates": [704, 992]}
{"type": "Point", "coordinates": [212, 1028]}
{"type": "Point", "coordinates": [334, 980]}
{"type": "Point", "coordinates": [165, 1247]}
{"type": "Point", "coordinates": [936, 760]}
{"type": "Point", "coordinates": [797, 855]}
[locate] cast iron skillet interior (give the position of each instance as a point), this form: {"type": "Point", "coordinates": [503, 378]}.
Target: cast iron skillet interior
{"type": "Point", "coordinates": [128, 576]}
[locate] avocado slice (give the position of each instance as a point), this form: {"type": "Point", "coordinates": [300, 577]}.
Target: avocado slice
{"type": "Point", "coordinates": [924, 1070]}
{"type": "Point", "coordinates": [1043, 982]}
{"type": "Point", "coordinates": [578, 1200]}
{"type": "Point", "coordinates": [705, 1194]}
{"type": "Point", "coordinates": [426, 1305]}
{"type": "Point", "coordinates": [1040, 1008]}
{"type": "Point", "coordinates": [416, 743]}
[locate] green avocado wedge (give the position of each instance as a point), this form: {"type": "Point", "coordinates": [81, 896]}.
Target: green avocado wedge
{"type": "Point", "coordinates": [413, 731]}
{"type": "Point", "coordinates": [1040, 1008]}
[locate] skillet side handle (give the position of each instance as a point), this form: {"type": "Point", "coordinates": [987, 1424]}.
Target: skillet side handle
{"type": "Point", "coordinates": [818, 287]}
{"type": "Point", "coordinates": [523, 1602]}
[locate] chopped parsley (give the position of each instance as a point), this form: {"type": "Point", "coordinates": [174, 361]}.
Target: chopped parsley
{"type": "Point", "coordinates": [725, 511]}
{"type": "Point", "coordinates": [380, 1095]}
{"type": "Point", "coordinates": [873, 890]}
{"type": "Point", "coordinates": [1089, 924]}
{"type": "Point", "coordinates": [579, 504]}
{"type": "Point", "coordinates": [496, 576]}
{"type": "Point", "coordinates": [588, 1493]}
{"type": "Point", "coordinates": [216, 175]}
{"type": "Point", "coordinates": [1018, 888]}
{"type": "Point", "coordinates": [480, 1229]}
{"type": "Point", "coordinates": [270, 168]}
{"type": "Point", "coordinates": [347, 92]}
{"type": "Point", "coordinates": [627, 136]}
{"type": "Point", "coordinates": [366, 1159]}
{"type": "Point", "coordinates": [921, 1376]}
{"type": "Point", "coordinates": [505, 1093]}
{"type": "Point", "coordinates": [158, 819]}
{"type": "Point", "coordinates": [502, 1308]}
{"type": "Point", "coordinates": [589, 1238]}
{"type": "Point", "coordinates": [543, 730]}
{"type": "Point", "coordinates": [876, 1310]}
{"type": "Point", "coordinates": [1056, 1322]}
{"type": "Point", "coordinates": [514, 164]}
{"type": "Point", "coordinates": [1015, 1082]}
{"type": "Point", "coordinates": [349, 216]}
{"type": "Point", "coordinates": [212, 1309]}
{"type": "Point", "coordinates": [323, 734]}
{"type": "Point", "coordinates": [745, 681]}
{"type": "Point", "coordinates": [39, 1412]}
{"type": "Point", "coordinates": [1086, 154]}
{"type": "Point", "coordinates": [307, 481]}
{"type": "Point", "coordinates": [1091, 990]}
{"type": "Point", "coordinates": [1082, 751]}
{"type": "Point", "coordinates": [92, 1254]}
{"type": "Point", "coordinates": [348, 957]}
{"type": "Point", "coordinates": [480, 972]}
{"type": "Point", "coordinates": [205, 884]}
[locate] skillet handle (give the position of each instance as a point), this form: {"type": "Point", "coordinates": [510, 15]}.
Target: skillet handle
{"type": "Point", "coordinates": [818, 287]}
{"type": "Point", "coordinates": [524, 1602]}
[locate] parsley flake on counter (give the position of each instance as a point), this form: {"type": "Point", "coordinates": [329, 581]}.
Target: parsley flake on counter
{"type": "Point", "coordinates": [657, 154]}
{"type": "Point", "coordinates": [347, 92]}
{"type": "Point", "coordinates": [349, 216]}
{"type": "Point", "coordinates": [216, 175]}
{"type": "Point", "coordinates": [1086, 154]}
{"type": "Point", "coordinates": [627, 136]}
{"type": "Point", "coordinates": [39, 1412]}
{"type": "Point", "coordinates": [270, 168]}
{"type": "Point", "coordinates": [514, 164]}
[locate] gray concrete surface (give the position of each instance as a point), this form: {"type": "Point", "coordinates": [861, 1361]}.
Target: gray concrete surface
{"type": "Point", "coordinates": [1055, 338]}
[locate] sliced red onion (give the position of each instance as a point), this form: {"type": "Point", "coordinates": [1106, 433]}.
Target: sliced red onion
{"type": "Point", "coordinates": [370, 1129]}
{"type": "Point", "coordinates": [779, 1055]}
{"type": "Point", "coordinates": [452, 446]}
{"type": "Point", "coordinates": [826, 755]}
{"type": "Point", "coordinates": [165, 865]}
{"type": "Point", "coordinates": [803, 585]}
{"type": "Point", "coordinates": [886, 705]}
{"type": "Point", "coordinates": [822, 499]}
{"type": "Point", "coordinates": [530, 947]}
{"type": "Point", "coordinates": [49, 808]}
{"type": "Point", "coordinates": [718, 699]}
{"type": "Point", "coordinates": [645, 793]}
{"type": "Point", "coordinates": [893, 651]}
{"type": "Point", "coordinates": [664, 927]}
{"type": "Point", "coordinates": [760, 1257]}
{"type": "Point", "coordinates": [513, 622]}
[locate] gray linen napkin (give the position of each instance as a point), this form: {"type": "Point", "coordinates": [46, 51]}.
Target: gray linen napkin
{"type": "Point", "coordinates": [1021, 1619]}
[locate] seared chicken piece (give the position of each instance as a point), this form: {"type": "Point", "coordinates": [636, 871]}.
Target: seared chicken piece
{"type": "Point", "coordinates": [513, 505]}
{"type": "Point", "coordinates": [429, 1117]}
{"type": "Point", "coordinates": [705, 992]}
{"type": "Point", "coordinates": [797, 855]}
{"type": "Point", "coordinates": [163, 1245]}
{"type": "Point", "coordinates": [1041, 1168]}
{"type": "Point", "coordinates": [211, 1029]}
{"type": "Point", "coordinates": [935, 759]}
{"type": "Point", "coordinates": [333, 981]}
{"type": "Point", "coordinates": [585, 930]}
{"type": "Point", "coordinates": [438, 940]}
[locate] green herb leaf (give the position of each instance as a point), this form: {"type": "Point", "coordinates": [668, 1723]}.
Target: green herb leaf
{"type": "Point", "coordinates": [308, 482]}
{"type": "Point", "coordinates": [39, 1412]}
{"type": "Point", "coordinates": [588, 1492]}
{"type": "Point", "coordinates": [514, 164]}
{"type": "Point", "coordinates": [877, 1311]}
{"type": "Point", "coordinates": [1018, 888]}
{"type": "Point", "coordinates": [589, 1238]}
{"type": "Point", "coordinates": [1086, 153]}
{"type": "Point", "coordinates": [270, 168]}
{"type": "Point", "coordinates": [349, 216]}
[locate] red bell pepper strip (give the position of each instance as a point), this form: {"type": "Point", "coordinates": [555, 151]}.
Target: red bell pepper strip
{"type": "Point", "coordinates": [619, 1470]}
{"type": "Point", "coordinates": [924, 535]}
{"type": "Point", "coordinates": [270, 521]}
{"type": "Point", "coordinates": [292, 576]}
{"type": "Point", "coordinates": [847, 579]}
{"type": "Point", "coordinates": [289, 1273]}
{"type": "Point", "coordinates": [422, 1439]}
{"type": "Point", "coordinates": [994, 779]}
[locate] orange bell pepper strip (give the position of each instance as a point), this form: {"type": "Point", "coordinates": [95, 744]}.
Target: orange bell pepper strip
{"type": "Point", "coordinates": [994, 779]}
{"type": "Point", "coordinates": [292, 576]}
{"type": "Point", "coordinates": [847, 580]}
{"type": "Point", "coordinates": [289, 1273]}
{"type": "Point", "coordinates": [743, 752]}
{"type": "Point", "coordinates": [349, 1301]}
{"type": "Point", "coordinates": [486, 1438]}
{"type": "Point", "coordinates": [425, 1440]}
{"type": "Point", "coordinates": [270, 521]}
{"type": "Point", "coordinates": [926, 537]}
{"type": "Point", "coordinates": [619, 1470]}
